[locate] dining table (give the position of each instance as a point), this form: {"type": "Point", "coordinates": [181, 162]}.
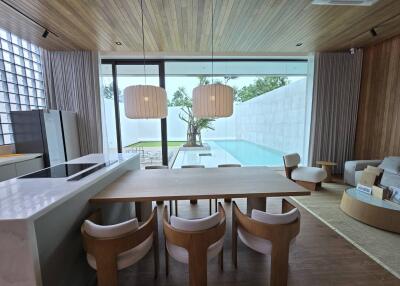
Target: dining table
{"type": "Point", "coordinates": [144, 186]}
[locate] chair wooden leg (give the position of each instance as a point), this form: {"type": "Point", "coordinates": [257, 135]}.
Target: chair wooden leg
{"type": "Point", "coordinates": [234, 240]}
{"type": "Point", "coordinates": [170, 208]}
{"type": "Point", "coordinates": [107, 273]}
{"type": "Point", "coordinates": [279, 265]}
{"type": "Point", "coordinates": [176, 207]}
{"type": "Point", "coordinates": [221, 260]}
{"type": "Point", "coordinates": [156, 249]}
{"type": "Point", "coordinates": [216, 205]}
{"type": "Point", "coordinates": [166, 260]}
{"type": "Point", "coordinates": [198, 268]}
{"type": "Point", "coordinates": [210, 206]}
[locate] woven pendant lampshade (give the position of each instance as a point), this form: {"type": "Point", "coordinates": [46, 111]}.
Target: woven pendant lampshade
{"type": "Point", "coordinates": [212, 101]}
{"type": "Point", "coordinates": [145, 102]}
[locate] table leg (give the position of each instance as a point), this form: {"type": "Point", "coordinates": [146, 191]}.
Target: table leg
{"type": "Point", "coordinates": [143, 210]}
{"type": "Point", "coordinates": [328, 170]}
{"type": "Point", "coordinates": [256, 203]}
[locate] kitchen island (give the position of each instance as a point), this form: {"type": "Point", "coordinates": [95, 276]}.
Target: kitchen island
{"type": "Point", "coordinates": [40, 221]}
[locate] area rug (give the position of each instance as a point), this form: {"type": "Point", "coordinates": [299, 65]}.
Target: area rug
{"type": "Point", "coordinates": [382, 246]}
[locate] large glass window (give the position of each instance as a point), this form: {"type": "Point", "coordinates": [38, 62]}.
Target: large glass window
{"type": "Point", "coordinates": [269, 118]}
{"type": "Point", "coordinates": [21, 81]}
{"type": "Point", "coordinates": [271, 112]}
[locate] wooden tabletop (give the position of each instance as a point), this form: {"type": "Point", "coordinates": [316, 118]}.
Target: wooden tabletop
{"type": "Point", "coordinates": [326, 163]}
{"type": "Point", "coordinates": [185, 184]}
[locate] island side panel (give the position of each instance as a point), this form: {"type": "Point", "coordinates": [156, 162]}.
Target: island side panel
{"type": "Point", "coordinates": [61, 255]}
{"type": "Point", "coordinates": [19, 257]}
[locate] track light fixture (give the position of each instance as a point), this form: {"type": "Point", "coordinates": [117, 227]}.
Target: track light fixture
{"type": "Point", "coordinates": [45, 33]}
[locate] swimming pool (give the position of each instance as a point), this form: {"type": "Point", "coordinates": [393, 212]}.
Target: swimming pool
{"type": "Point", "coordinates": [251, 154]}
{"type": "Point", "coordinates": [229, 152]}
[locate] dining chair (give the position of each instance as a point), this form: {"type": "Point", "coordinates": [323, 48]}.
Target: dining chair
{"type": "Point", "coordinates": [159, 167]}
{"type": "Point", "coordinates": [195, 201]}
{"type": "Point", "coordinates": [269, 234]}
{"type": "Point", "coordinates": [228, 200]}
{"type": "Point", "coordinates": [195, 242]}
{"type": "Point", "coordinates": [110, 248]}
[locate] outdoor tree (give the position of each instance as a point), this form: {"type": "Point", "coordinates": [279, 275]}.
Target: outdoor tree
{"type": "Point", "coordinates": [195, 125]}
{"type": "Point", "coordinates": [109, 92]}
{"type": "Point", "coordinates": [260, 86]}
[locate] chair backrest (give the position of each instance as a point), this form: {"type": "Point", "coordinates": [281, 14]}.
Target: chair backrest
{"type": "Point", "coordinates": [195, 224]}
{"type": "Point", "coordinates": [279, 229]}
{"type": "Point", "coordinates": [268, 218]}
{"type": "Point", "coordinates": [106, 242]}
{"type": "Point", "coordinates": [155, 167]}
{"type": "Point", "coordinates": [200, 234]}
{"type": "Point", "coordinates": [228, 165]}
{"type": "Point", "coordinates": [192, 166]}
{"type": "Point", "coordinates": [291, 161]}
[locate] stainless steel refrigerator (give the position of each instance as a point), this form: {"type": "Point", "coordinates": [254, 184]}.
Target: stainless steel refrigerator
{"type": "Point", "coordinates": [51, 132]}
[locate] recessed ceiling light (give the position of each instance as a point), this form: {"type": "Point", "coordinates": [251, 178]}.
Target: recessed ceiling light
{"type": "Point", "coordinates": [299, 44]}
{"type": "Point", "coordinates": [118, 43]}
{"type": "Point", "coordinates": [373, 32]}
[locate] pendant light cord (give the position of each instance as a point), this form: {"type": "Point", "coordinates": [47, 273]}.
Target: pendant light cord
{"type": "Point", "coordinates": [212, 41]}
{"type": "Point", "coordinates": [144, 52]}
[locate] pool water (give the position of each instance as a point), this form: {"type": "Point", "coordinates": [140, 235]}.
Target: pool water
{"type": "Point", "coordinates": [251, 154]}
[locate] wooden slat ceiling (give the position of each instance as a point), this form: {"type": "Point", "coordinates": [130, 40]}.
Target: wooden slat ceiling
{"type": "Point", "coordinates": [183, 26]}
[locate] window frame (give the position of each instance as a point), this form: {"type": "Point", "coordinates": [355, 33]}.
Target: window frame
{"type": "Point", "coordinates": [21, 81]}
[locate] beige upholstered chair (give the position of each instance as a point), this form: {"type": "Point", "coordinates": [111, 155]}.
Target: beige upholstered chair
{"type": "Point", "coordinates": [269, 234]}
{"type": "Point", "coordinates": [308, 177]}
{"type": "Point", "coordinates": [111, 248]}
{"type": "Point", "coordinates": [228, 200]}
{"type": "Point", "coordinates": [194, 242]}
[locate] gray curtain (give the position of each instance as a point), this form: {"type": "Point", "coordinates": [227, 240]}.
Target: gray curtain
{"type": "Point", "coordinates": [72, 84]}
{"type": "Point", "coordinates": [337, 78]}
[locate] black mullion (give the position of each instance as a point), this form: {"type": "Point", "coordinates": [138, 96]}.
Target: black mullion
{"type": "Point", "coordinates": [164, 136]}
{"type": "Point", "coordinates": [155, 61]}
{"type": "Point", "coordinates": [116, 107]}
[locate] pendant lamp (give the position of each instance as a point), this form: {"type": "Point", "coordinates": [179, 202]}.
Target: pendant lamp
{"type": "Point", "coordinates": [215, 99]}
{"type": "Point", "coordinates": [145, 101]}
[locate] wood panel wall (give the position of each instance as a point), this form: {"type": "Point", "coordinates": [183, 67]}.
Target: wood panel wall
{"type": "Point", "coordinates": [378, 123]}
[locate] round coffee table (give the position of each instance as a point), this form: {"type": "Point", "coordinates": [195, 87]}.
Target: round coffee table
{"type": "Point", "coordinates": [327, 166]}
{"type": "Point", "coordinates": [370, 210]}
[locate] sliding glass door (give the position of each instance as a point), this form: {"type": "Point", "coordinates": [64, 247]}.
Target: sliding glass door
{"type": "Point", "coordinates": [132, 135]}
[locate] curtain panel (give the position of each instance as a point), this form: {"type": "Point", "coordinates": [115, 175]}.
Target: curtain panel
{"type": "Point", "coordinates": [72, 84]}
{"type": "Point", "coordinates": [337, 78]}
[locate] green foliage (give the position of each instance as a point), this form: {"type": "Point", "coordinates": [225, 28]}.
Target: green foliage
{"type": "Point", "coordinates": [260, 86]}
{"type": "Point", "coordinates": [180, 98]}
{"type": "Point", "coordinates": [109, 92]}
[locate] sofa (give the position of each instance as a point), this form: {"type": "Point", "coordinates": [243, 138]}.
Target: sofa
{"type": "Point", "coordinates": [389, 165]}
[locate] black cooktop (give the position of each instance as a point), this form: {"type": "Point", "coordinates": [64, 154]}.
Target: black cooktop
{"type": "Point", "coordinates": [59, 171]}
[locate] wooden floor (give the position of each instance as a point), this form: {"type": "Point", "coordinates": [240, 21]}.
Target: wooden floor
{"type": "Point", "coordinates": [319, 257]}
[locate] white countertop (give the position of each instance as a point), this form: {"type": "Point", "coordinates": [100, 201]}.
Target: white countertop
{"type": "Point", "coordinates": [15, 158]}
{"type": "Point", "coordinates": [28, 198]}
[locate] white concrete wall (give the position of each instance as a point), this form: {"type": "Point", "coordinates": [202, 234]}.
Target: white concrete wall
{"type": "Point", "coordinates": [275, 119]}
